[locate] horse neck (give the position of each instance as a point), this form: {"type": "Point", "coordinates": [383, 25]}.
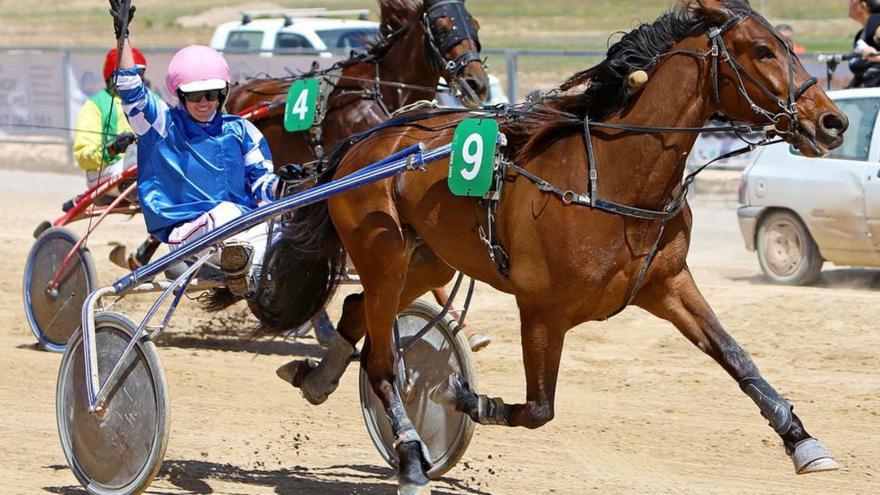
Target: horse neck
{"type": "Point", "coordinates": [408, 62]}
{"type": "Point", "coordinates": [644, 169]}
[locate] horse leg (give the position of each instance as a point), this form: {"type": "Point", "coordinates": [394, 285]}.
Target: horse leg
{"type": "Point", "coordinates": [317, 380]}
{"type": "Point", "coordinates": [678, 300]}
{"type": "Point", "coordinates": [383, 296]}
{"type": "Point", "coordinates": [542, 340]}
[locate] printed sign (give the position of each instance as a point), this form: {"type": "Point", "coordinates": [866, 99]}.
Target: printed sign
{"type": "Point", "coordinates": [299, 113]}
{"type": "Point", "coordinates": [472, 157]}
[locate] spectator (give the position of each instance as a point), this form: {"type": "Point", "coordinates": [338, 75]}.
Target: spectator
{"type": "Point", "coordinates": [866, 70]}
{"type": "Point", "coordinates": [787, 33]}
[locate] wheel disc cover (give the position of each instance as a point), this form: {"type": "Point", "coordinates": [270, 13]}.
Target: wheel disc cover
{"type": "Point", "coordinates": [57, 316]}
{"type": "Point", "coordinates": [430, 361]}
{"type": "Point", "coordinates": [113, 452]}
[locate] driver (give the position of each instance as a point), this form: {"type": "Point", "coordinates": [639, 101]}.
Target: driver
{"type": "Point", "coordinates": [198, 168]}
{"type": "Point", "coordinates": [94, 150]}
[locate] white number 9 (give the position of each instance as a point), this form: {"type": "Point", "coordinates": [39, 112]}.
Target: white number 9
{"type": "Point", "coordinates": [474, 159]}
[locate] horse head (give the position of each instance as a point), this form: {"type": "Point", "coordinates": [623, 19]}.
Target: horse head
{"type": "Point", "coordinates": [757, 78]}
{"type": "Point", "coordinates": [452, 37]}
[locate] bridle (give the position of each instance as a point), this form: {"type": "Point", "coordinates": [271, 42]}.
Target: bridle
{"type": "Point", "coordinates": [441, 43]}
{"type": "Point", "coordinates": [787, 108]}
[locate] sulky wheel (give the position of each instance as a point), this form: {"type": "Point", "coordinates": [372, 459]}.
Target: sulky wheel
{"type": "Point", "coordinates": [428, 362]}
{"type": "Point", "coordinates": [120, 450]}
{"type": "Point", "coordinates": [54, 314]}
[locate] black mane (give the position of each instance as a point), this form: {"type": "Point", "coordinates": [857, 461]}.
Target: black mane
{"type": "Point", "coordinates": [606, 89]}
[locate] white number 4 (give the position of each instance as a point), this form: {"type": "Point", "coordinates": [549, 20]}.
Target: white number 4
{"type": "Point", "coordinates": [301, 106]}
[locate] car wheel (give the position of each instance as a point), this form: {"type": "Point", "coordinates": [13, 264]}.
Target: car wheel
{"type": "Point", "coordinates": [786, 250]}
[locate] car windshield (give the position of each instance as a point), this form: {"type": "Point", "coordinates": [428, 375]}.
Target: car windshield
{"type": "Point", "coordinates": [348, 38]}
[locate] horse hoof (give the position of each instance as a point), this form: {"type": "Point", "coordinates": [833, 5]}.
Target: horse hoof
{"type": "Point", "coordinates": [413, 469]}
{"type": "Point", "coordinates": [448, 392]}
{"type": "Point", "coordinates": [413, 490]}
{"type": "Point", "coordinates": [296, 373]}
{"type": "Point", "coordinates": [810, 456]}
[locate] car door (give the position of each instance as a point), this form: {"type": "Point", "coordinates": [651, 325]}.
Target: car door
{"type": "Point", "coordinates": [872, 199]}
{"type": "Point", "coordinates": [827, 193]}
{"type": "Point", "coordinates": [857, 159]}
{"type": "Point", "coordinates": [872, 206]}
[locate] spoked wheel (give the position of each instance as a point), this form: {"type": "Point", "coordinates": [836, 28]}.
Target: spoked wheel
{"type": "Point", "coordinates": [429, 362]}
{"type": "Point", "coordinates": [54, 314]}
{"type": "Point", "coordinates": [120, 450]}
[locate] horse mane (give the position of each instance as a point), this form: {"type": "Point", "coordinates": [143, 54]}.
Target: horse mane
{"type": "Point", "coordinates": [606, 90]}
{"type": "Point", "coordinates": [395, 15]}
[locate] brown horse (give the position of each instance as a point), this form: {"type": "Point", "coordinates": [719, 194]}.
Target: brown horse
{"type": "Point", "coordinates": [419, 43]}
{"type": "Point", "coordinates": [571, 257]}
{"type": "Point", "coordinates": [408, 61]}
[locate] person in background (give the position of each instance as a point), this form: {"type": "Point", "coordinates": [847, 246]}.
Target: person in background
{"type": "Point", "coordinates": [787, 33]}
{"type": "Point", "coordinates": [866, 70]}
{"type": "Point", "coordinates": [102, 132]}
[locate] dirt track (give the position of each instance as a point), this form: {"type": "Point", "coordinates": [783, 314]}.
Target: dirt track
{"type": "Point", "coordinates": [639, 409]}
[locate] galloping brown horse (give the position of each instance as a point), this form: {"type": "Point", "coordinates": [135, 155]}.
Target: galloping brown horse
{"type": "Point", "coordinates": [577, 247]}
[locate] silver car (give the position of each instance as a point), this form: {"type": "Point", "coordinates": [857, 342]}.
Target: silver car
{"type": "Point", "coordinates": [799, 212]}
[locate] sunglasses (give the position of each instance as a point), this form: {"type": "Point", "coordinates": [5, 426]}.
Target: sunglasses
{"type": "Point", "coordinates": [210, 95]}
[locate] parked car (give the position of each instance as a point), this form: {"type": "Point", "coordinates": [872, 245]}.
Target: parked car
{"type": "Point", "coordinates": [799, 212]}
{"type": "Point", "coordinates": [301, 30]}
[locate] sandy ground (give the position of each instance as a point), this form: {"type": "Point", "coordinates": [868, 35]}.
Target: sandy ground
{"type": "Point", "coordinates": [639, 410]}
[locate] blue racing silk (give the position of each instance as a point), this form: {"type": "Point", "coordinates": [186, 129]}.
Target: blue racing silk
{"type": "Point", "coordinates": [186, 168]}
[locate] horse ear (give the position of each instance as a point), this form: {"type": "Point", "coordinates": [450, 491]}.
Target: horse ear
{"type": "Point", "coordinates": [715, 11]}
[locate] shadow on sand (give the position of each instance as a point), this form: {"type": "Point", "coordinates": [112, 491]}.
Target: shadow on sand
{"type": "Point", "coordinates": [194, 477]}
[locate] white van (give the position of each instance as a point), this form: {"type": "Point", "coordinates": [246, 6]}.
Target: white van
{"type": "Point", "coordinates": [301, 30]}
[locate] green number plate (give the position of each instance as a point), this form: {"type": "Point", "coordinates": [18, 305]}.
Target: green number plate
{"type": "Point", "coordinates": [299, 113]}
{"type": "Point", "coordinates": [473, 157]}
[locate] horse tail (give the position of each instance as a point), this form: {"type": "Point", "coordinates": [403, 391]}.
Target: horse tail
{"type": "Point", "coordinates": [301, 270]}
{"type": "Point", "coordinates": [218, 299]}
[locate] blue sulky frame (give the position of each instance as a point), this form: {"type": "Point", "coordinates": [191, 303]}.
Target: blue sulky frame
{"type": "Point", "coordinates": [412, 158]}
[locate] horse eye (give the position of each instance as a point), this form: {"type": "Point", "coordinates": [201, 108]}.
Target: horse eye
{"type": "Point", "coordinates": [442, 26]}
{"type": "Point", "coordinates": [763, 51]}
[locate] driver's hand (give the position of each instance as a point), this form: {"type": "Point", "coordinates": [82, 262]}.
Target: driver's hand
{"type": "Point", "coordinates": [122, 141]}
{"type": "Point", "coordinates": [116, 11]}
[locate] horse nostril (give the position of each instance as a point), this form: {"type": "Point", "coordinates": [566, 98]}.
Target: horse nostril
{"type": "Point", "coordinates": [833, 124]}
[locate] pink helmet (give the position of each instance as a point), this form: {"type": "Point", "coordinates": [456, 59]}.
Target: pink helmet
{"type": "Point", "coordinates": [197, 68]}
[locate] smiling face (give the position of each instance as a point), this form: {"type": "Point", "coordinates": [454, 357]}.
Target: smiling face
{"type": "Point", "coordinates": [203, 109]}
